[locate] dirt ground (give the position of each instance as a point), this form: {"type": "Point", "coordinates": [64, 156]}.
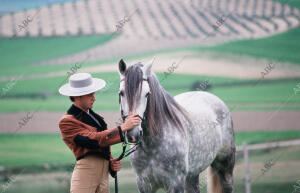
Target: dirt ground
{"type": "Point", "coordinates": [47, 122]}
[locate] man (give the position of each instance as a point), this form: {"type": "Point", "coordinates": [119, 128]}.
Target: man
{"type": "Point", "coordinates": [86, 134]}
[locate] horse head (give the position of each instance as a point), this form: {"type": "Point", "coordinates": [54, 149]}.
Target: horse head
{"type": "Point", "coordinates": [134, 91]}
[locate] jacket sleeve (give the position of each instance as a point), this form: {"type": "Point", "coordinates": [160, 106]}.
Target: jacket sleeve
{"type": "Point", "coordinates": [74, 132]}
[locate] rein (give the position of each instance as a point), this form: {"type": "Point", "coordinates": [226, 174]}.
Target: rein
{"type": "Point", "coordinates": [123, 155]}
{"type": "Point", "coordinates": [125, 152]}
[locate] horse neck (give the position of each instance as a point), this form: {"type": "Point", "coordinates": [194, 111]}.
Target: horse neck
{"type": "Point", "coordinates": [148, 139]}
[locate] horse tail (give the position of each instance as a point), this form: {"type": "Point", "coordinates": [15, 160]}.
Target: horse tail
{"type": "Point", "coordinates": [213, 182]}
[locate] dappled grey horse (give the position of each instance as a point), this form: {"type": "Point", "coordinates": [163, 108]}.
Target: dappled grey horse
{"type": "Point", "coordinates": [179, 137]}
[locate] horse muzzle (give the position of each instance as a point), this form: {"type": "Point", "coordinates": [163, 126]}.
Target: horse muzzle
{"type": "Point", "coordinates": [134, 135]}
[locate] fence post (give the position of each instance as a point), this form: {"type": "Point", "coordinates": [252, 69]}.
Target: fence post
{"type": "Point", "coordinates": [247, 169]}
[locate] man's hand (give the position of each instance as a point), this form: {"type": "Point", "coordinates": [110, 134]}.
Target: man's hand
{"type": "Point", "coordinates": [115, 164]}
{"type": "Point", "coordinates": [131, 121]}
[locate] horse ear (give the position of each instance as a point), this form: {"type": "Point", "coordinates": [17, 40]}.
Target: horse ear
{"type": "Point", "coordinates": [147, 68]}
{"type": "Point", "coordinates": [122, 67]}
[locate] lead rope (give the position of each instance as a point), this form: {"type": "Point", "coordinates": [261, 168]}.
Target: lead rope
{"type": "Point", "coordinates": [119, 158]}
{"type": "Point", "coordinates": [124, 154]}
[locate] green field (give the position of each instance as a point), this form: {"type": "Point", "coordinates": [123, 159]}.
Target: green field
{"type": "Point", "coordinates": [35, 149]}
{"type": "Point", "coordinates": [25, 152]}
{"type": "Point", "coordinates": [282, 47]}
{"type": "Point", "coordinates": [27, 156]}
{"type": "Point", "coordinates": [28, 95]}
{"type": "Point", "coordinates": [60, 183]}
{"type": "Point", "coordinates": [19, 54]}
{"type": "Point", "coordinates": [277, 48]}
{"type": "Point", "coordinates": [23, 52]}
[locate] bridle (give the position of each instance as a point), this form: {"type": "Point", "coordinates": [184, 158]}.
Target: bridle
{"type": "Point", "coordinates": [143, 119]}
{"type": "Point", "coordinates": [143, 125]}
{"type": "Point", "coordinates": [124, 144]}
{"type": "Point", "coordinates": [126, 141]}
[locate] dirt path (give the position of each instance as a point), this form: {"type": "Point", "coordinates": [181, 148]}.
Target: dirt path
{"type": "Point", "coordinates": [47, 122]}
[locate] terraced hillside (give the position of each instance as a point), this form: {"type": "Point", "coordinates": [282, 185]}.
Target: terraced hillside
{"type": "Point", "coordinates": [152, 25]}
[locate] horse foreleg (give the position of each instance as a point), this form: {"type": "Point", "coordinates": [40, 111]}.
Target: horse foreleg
{"type": "Point", "coordinates": [176, 186]}
{"type": "Point", "coordinates": [145, 186]}
{"type": "Point", "coordinates": [192, 184]}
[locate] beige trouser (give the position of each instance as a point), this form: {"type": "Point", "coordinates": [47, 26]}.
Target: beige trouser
{"type": "Point", "coordinates": [90, 175]}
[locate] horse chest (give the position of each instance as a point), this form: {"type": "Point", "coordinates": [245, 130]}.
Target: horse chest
{"type": "Point", "coordinates": [158, 170]}
{"type": "Point", "coordinates": [159, 162]}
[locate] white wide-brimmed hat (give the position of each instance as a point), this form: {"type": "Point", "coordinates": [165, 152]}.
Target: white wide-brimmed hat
{"type": "Point", "coordinates": [81, 84]}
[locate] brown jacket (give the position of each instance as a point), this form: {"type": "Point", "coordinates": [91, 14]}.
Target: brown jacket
{"type": "Point", "coordinates": [85, 135]}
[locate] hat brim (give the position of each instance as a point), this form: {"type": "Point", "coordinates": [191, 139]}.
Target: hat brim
{"type": "Point", "coordinates": [67, 90]}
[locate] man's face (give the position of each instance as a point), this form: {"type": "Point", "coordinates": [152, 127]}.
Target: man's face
{"type": "Point", "coordinates": [86, 101]}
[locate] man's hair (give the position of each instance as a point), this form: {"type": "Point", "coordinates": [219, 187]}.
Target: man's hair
{"type": "Point", "coordinates": [72, 98]}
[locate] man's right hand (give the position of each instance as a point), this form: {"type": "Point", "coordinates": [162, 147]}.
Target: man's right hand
{"type": "Point", "coordinates": [130, 122]}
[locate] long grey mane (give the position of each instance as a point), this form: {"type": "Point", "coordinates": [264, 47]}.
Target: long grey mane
{"type": "Point", "coordinates": [161, 109]}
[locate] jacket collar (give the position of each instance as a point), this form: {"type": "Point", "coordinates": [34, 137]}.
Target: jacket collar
{"type": "Point", "coordinates": [87, 119]}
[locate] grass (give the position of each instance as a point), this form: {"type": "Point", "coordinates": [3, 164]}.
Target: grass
{"type": "Point", "coordinates": [251, 137]}
{"type": "Point", "coordinates": [59, 185]}
{"type": "Point", "coordinates": [295, 4]}
{"type": "Point", "coordinates": [283, 176]}
{"type": "Point", "coordinates": [37, 149]}
{"type": "Point", "coordinates": [21, 53]}
{"type": "Point", "coordinates": [278, 154]}
{"type": "Point", "coordinates": [28, 95]}
{"type": "Point", "coordinates": [282, 47]}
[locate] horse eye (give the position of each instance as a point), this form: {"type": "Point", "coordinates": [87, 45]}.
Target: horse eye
{"type": "Point", "coordinates": [120, 94]}
{"type": "Point", "coordinates": [147, 95]}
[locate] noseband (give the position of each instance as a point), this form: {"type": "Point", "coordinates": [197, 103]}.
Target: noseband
{"type": "Point", "coordinates": [125, 116]}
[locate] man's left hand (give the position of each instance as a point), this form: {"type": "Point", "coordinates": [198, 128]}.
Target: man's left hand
{"type": "Point", "coordinates": [115, 164]}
